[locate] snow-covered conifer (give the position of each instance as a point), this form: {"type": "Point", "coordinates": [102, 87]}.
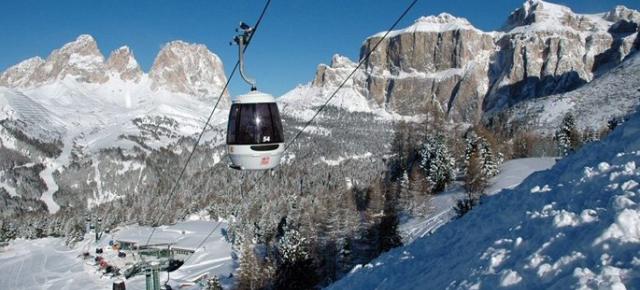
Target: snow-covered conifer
{"type": "Point", "coordinates": [437, 162]}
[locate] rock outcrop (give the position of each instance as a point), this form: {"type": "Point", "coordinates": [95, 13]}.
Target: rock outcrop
{"type": "Point", "coordinates": [434, 56]}
{"type": "Point", "coordinates": [79, 59]}
{"type": "Point", "coordinates": [20, 74]}
{"type": "Point", "coordinates": [191, 69]}
{"type": "Point", "coordinates": [123, 63]}
{"type": "Point", "coordinates": [541, 50]}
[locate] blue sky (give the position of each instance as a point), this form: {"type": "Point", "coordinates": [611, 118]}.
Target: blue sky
{"type": "Point", "coordinates": [295, 36]}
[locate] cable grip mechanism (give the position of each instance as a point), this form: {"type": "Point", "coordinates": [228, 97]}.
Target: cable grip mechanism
{"type": "Point", "coordinates": [242, 40]}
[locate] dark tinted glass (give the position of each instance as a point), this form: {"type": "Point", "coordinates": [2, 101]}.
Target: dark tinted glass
{"type": "Point", "coordinates": [254, 124]}
{"type": "Point", "coordinates": [277, 124]}
{"type": "Point", "coordinates": [247, 125]}
{"type": "Point", "coordinates": [232, 124]}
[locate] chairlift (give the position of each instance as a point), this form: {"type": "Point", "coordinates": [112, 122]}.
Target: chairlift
{"type": "Point", "coordinates": [255, 139]}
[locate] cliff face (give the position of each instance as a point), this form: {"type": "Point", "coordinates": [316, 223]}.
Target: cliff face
{"type": "Point", "coordinates": [123, 63]}
{"type": "Point", "coordinates": [189, 69]}
{"type": "Point", "coordinates": [438, 55]}
{"type": "Point", "coordinates": [547, 49]}
{"type": "Point", "coordinates": [543, 49]}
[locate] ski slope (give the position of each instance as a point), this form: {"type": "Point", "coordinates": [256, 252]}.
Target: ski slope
{"type": "Point", "coordinates": [574, 226]}
{"type": "Point", "coordinates": [50, 264]}
{"type": "Point", "coordinates": [46, 264]}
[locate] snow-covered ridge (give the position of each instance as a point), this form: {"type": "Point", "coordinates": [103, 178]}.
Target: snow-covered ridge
{"type": "Point", "coordinates": [537, 15]}
{"type": "Point", "coordinates": [81, 94]}
{"type": "Point", "coordinates": [434, 23]}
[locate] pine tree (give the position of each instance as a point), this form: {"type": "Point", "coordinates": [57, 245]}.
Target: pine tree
{"type": "Point", "coordinates": [295, 267]}
{"type": "Point", "coordinates": [292, 246]}
{"type": "Point", "coordinates": [437, 162]}
{"type": "Point", "coordinates": [490, 161]}
{"type": "Point", "coordinates": [388, 226]}
{"type": "Point", "coordinates": [214, 283]}
{"type": "Point", "coordinates": [253, 274]}
{"type": "Point", "coordinates": [567, 137]}
{"type": "Point", "coordinates": [480, 163]}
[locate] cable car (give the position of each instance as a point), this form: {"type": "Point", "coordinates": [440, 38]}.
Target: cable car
{"type": "Point", "coordinates": [255, 139]}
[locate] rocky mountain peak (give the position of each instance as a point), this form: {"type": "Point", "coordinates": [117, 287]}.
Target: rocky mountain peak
{"type": "Point", "coordinates": [122, 62]}
{"type": "Point", "coordinates": [84, 44]}
{"type": "Point", "coordinates": [340, 61]}
{"type": "Point", "coordinates": [19, 74]}
{"type": "Point", "coordinates": [546, 49]}
{"type": "Point", "coordinates": [332, 75]}
{"type": "Point", "coordinates": [539, 15]}
{"type": "Point", "coordinates": [187, 68]}
{"type": "Point", "coordinates": [80, 59]}
{"type": "Point", "coordinates": [621, 12]}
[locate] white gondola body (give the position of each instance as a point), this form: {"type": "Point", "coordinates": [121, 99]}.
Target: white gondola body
{"type": "Point", "coordinates": [255, 140]}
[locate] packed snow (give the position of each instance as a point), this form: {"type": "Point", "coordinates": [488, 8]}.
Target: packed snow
{"type": "Point", "coordinates": [50, 264]}
{"type": "Point", "coordinates": [576, 225]}
{"type": "Point", "coordinates": [441, 209]}
{"type": "Point", "coordinates": [46, 264]}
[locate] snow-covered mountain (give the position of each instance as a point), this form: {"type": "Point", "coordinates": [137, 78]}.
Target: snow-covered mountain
{"type": "Point", "coordinates": [179, 68]}
{"type": "Point", "coordinates": [75, 93]}
{"type": "Point", "coordinates": [75, 103]}
{"type": "Point", "coordinates": [542, 49]}
{"type": "Point", "coordinates": [574, 226]}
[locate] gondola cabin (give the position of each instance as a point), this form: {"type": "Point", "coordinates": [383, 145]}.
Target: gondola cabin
{"type": "Point", "coordinates": [255, 140]}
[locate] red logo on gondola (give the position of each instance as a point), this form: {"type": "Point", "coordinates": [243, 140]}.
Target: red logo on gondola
{"type": "Point", "coordinates": [265, 160]}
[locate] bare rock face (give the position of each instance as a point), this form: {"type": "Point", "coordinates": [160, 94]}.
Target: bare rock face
{"type": "Point", "coordinates": [191, 69]}
{"type": "Point", "coordinates": [79, 59]}
{"type": "Point", "coordinates": [546, 49]}
{"type": "Point", "coordinates": [123, 63]}
{"type": "Point", "coordinates": [433, 57]}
